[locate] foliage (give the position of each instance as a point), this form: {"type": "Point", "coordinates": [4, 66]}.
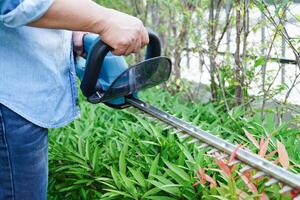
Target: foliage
{"type": "Point", "coordinates": [118, 154]}
{"type": "Point", "coordinates": [114, 154]}
{"type": "Point", "coordinates": [217, 37]}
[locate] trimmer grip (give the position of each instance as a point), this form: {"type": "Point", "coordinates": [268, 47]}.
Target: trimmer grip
{"type": "Point", "coordinates": [94, 62]}
{"type": "Point", "coordinates": [154, 46]}
{"type": "Point", "coordinates": [96, 52]}
{"type": "Point", "coordinates": [89, 40]}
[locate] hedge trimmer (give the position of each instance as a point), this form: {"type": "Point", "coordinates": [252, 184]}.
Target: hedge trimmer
{"type": "Point", "coordinates": [106, 78]}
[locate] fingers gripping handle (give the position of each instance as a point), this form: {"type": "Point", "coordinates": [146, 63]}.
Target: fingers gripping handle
{"type": "Point", "coordinates": [95, 58]}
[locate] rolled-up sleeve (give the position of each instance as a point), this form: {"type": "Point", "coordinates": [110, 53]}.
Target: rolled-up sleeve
{"type": "Point", "coordinates": [16, 13]}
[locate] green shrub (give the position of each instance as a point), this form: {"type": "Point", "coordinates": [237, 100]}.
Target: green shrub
{"type": "Point", "coordinates": [118, 154]}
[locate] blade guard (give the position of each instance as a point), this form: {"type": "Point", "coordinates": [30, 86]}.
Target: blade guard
{"type": "Point", "coordinates": [102, 68]}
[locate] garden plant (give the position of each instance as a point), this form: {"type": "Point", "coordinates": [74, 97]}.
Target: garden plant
{"type": "Point", "coordinates": [120, 154]}
{"type": "Point", "coordinates": [236, 89]}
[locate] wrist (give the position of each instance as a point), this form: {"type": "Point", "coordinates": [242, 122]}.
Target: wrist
{"type": "Point", "coordinates": [99, 24]}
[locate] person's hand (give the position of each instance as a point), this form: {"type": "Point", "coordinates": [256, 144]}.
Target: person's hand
{"type": "Point", "coordinates": [78, 43]}
{"type": "Point", "coordinates": [124, 33]}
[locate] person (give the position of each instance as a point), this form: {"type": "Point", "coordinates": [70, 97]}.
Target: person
{"type": "Point", "coordinates": [38, 82]}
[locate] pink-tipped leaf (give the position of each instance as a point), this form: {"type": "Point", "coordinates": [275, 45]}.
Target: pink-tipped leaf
{"type": "Point", "coordinates": [251, 138]}
{"type": "Point", "coordinates": [271, 154]}
{"type": "Point", "coordinates": [264, 147]}
{"type": "Point", "coordinates": [248, 183]}
{"type": "Point", "coordinates": [283, 155]}
{"type": "Point", "coordinates": [225, 169]}
{"type": "Point", "coordinates": [263, 196]}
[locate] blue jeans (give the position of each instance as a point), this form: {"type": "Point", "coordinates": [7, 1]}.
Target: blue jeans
{"type": "Point", "coordinates": [23, 158]}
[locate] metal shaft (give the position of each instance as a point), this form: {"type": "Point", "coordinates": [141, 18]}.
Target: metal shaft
{"type": "Point", "coordinates": [281, 174]}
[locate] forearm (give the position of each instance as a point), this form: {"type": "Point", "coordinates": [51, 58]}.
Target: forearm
{"type": "Point", "coordinates": [124, 33]}
{"type": "Point", "coordinates": [79, 15]}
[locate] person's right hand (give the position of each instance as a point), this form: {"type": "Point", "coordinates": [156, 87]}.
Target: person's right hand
{"type": "Point", "coordinates": [124, 33]}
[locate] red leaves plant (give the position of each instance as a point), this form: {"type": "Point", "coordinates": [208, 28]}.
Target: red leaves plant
{"type": "Point", "coordinates": [203, 178]}
{"type": "Point", "coordinates": [295, 193]}
{"type": "Point", "coordinates": [263, 196]}
{"type": "Point", "coordinates": [271, 154]}
{"type": "Point", "coordinates": [246, 177]}
{"type": "Point", "coordinates": [225, 169]}
{"type": "Point", "coordinates": [233, 155]}
{"type": "Point", "coordinates": [283, 155]}
{"type": "Point", "coordinates": [251, 138]}
{"type": "Point", "coordinates": [248, 183]}
{"type": "Point", "coordinates": [263, 147]}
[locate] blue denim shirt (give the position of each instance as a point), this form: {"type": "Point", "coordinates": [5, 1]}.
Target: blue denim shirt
{"type": "Point", "coordinates": [37, 72]}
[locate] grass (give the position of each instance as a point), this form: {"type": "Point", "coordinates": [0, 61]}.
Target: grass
{"type": "Point", "coordinates": [118, 154]}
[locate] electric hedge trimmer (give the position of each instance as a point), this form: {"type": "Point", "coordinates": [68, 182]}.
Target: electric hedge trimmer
{"type": "Point", "coordinates": [106, 78]}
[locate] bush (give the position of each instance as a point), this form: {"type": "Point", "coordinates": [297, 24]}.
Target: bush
{"type": "Point", "coordinates": [119, 154]}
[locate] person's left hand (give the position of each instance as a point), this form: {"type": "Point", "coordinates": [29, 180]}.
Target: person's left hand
{"type": "Point", "coordinates": [78, 43]}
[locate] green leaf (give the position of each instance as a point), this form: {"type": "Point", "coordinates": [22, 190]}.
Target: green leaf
{"type": "Point", "coordinates": [79, 160]}
{"type": "Point", "coordinates": [152, 192]}
{"type": "Point", "coordinates": [129, 185]}
{"type": "Point", "coordinates": [163, 180]}
{"type": "Point", "coordinates": [171, 189]}
{"type": "Point", "coordinates": [149, 142]}
{"type": "Point", "coordinates": [181, 173]}
{"type": "Point", "coordinates": [178, 179]}
{"type": "Point", "coordinates": [154, 167]}
{"type": "Point", "coordinates": [96, 156]}
{"type": "Point", "coordinates": [84, 181]}
{"type": "Point", "coordinates": [116, 193]}
{"type": "Point", "coordinates": [116, 177]}
{"type": "Point", "coordinates": [73, 187]}
{"type": "Point", "coordinates": [260, 62]}
{"type": "Point", "coordinates": [139, 177]}
{"type": "Point", "coordinates": [187, 153]}
{"type": "Point", "coordinates": [145, 124]}
{"type": "Point", "coordinates": [87, 149]}
{"type": "Point", "coordinates": [108, 184]}
{"type": "Point", "coordinates": [122, 159]}
{"type": "Point", "coordinates": [160, 198]}
{"type": "Point", "coordinates": [79, 145]}
{"type": "Point", "coordinates": [113, 149]}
